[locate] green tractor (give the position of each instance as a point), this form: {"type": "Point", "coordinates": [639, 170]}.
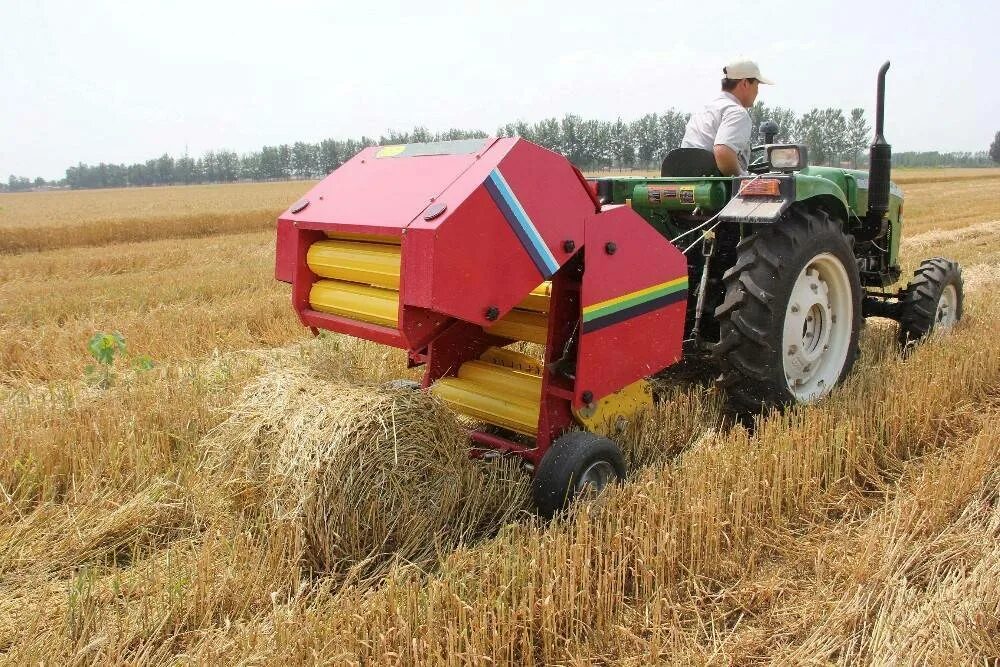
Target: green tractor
{"type": "Point", "coordinates": [788, 261]}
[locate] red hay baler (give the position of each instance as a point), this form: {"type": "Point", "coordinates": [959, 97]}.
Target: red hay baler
{"type": "Point", "coordinates": [456, 251]}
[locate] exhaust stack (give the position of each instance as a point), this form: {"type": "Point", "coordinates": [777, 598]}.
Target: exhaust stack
{"type": "Point", "coordinates": [880, 159]}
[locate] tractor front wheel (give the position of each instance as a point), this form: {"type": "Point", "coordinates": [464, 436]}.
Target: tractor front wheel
{"type": "Point", "coordinates": [577, 464]}
{"type": "Point", "coordinates": [932, 301]}
{"type": "Point", "coordinates": [791, 317]}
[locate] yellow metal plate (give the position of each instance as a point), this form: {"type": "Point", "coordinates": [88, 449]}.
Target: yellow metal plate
{"type": "Point", "coordinates": [390, 151]}
{"type": "Point", "coordinates": [617, 408]}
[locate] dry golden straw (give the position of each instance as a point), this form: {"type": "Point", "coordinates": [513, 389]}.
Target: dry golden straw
{"type": "Point", "coordinates": [369, 474]}
{"type": "Point", "coordinates": [134, 529]}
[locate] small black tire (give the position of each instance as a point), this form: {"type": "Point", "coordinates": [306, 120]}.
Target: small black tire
{"type": "Point", "coordinates": [932, 301]}
{"type": "Point", "coordinates": [575, 461]}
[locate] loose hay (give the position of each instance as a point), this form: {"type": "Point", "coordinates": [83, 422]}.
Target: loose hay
{"type": "Point", "coordinates": [369, 475]}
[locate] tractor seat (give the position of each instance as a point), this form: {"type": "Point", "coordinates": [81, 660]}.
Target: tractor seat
{"type": "Point", "coordinates": [689, 162]}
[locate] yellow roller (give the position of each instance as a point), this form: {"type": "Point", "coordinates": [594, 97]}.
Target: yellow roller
{"type": "Point", "coordinates": [522, 325]}
{"type": "Point", "coordinates": [367, 263]}
{"type": "Point", "coordinates": [362, 267]}
{"type": "Point", "coordinates": [482, 402]}
{"type": "Point", "coordinates": [357, 302]}
{"type": "Point", "coordinates": [519, 361]}
{"type": "Point", "coordinates": [371, 238]}
{"type": "Point", "coordinates": [538, 300]}
{"type": "Point", "coordinates": [503, 381]}
{"type": "Point", "coordinates": [495, 393]}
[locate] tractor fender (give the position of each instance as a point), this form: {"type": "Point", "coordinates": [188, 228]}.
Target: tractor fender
{"type": "Point", "coordinates": [793, 188]}
{"type": "Point", "coordinates": [823, 193]}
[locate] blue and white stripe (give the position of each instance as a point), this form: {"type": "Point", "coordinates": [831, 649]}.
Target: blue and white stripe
{"type": "Point", "coordinates": [519, 221]}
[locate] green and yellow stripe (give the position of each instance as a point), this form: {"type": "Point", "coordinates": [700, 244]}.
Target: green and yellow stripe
{"type": "Point", "coordinates": [636, 303]}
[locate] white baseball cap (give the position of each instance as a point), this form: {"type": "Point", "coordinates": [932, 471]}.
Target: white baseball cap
{"type": "Point", "coordinates": [744, 69]}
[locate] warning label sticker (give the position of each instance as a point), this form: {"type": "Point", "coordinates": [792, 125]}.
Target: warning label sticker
{"type": "Point", "coordinates": [660, 193]}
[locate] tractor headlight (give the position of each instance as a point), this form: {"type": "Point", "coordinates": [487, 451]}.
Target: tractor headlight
{"type": "Point", "coordinates": [787, 158]}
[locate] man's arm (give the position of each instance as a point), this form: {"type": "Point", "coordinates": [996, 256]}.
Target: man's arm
{"type": "Point", "coordinates": [732, 137]}
{"type": "Point", "coordinates": [725, 158]}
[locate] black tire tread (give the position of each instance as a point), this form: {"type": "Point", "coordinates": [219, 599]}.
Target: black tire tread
{"type": "Point", "coordinates": [919, 299]}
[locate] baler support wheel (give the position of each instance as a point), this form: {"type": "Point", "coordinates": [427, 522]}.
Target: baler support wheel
{"type": "Point", "coordinates": [577, 464]}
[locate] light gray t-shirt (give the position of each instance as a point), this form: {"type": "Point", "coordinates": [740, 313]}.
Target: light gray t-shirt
{"type": "Point", "coordinates": [723, 121]}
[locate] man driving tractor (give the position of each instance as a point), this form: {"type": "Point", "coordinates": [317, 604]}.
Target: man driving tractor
{"type": "Point", "coordinates": [723, 126]}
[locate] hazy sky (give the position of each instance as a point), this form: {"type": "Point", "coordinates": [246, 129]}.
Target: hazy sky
{"type": "Point", "coordinates": [126, 81]}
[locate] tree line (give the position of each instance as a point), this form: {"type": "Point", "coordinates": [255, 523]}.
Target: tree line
{"type": "Point", "coordinates": [20, 184]}
{"type": "Point", "coordinates": [832, 136]}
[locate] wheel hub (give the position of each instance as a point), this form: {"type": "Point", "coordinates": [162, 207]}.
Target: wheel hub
{"type": "Point", "coordinates": [817, 328]}
{"type": "Point", "coordinates": [947, 309]}
{"type": "Point", "coordinates": [595, 477]}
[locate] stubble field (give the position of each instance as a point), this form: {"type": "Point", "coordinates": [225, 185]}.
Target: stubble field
{"type": "Point", "coordinates": [862, 529]}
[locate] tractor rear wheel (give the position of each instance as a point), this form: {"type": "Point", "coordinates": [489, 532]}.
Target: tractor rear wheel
{"type": "Point", "coordinates": [577, 464]}
{"type": "Point", "coordinates": [932, 301]}
{"type": "Point", "coordinates": [791, 317]}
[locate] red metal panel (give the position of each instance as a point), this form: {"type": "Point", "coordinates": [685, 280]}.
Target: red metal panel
{"type": "Point", "coordinates": [555, 416]}
{"type": "Point", "coordinates": [419, 326]}
{"type": "Point", "coordinates": [459, 343]}
{"type": "Point", "coordinates": [381, 192]}
{"type": "Point", "coordinates": [469, 264]}
{"type": "Point", "coordinates": [302, 277]}
{"type": "Point", "coordinates": [552, 193]}
{"type": "Point", "coordinates": [417, 255]}
{"type": "Point", "coordinates": [284, 256]}
{"type": "Point", "coordinates": [356, 328]}
{"type": "Point", "coordinates": [645, 334]}
{"type": "Point", "coordinates": [381, 231]}
{"type": "Point", "coordinates": [484, 251]}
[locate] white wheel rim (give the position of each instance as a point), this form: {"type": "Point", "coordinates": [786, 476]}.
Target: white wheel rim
{"type": "Point", "coordinates": [947, 309]}
{"type": "Point", "coordinates": [597, 476]}
{"type": "Point", "coordinates": [819, 321]}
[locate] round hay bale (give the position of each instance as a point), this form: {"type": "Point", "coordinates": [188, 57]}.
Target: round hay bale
{"type": "Point", "coordinates": [369, 474]}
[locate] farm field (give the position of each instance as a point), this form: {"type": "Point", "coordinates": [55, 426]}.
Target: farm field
{"type": "Point", "coordinates": [145, 515]}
